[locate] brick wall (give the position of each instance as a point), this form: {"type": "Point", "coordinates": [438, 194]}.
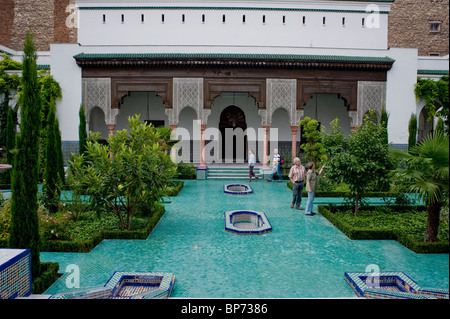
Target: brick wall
{"type": "Point", "coordinates": [34, 14]}
{"type": "Point", "coordinates": [47, 19]}
{"type": "Point", "coordinates": [63, 34]}
{"type": "Point", "coordinates": [6, 18]}
{"type": "Point", "coordinates": [409, 25]}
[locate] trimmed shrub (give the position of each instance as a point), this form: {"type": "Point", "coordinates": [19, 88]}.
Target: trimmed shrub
{"type": "Point", "coordinates": [48, 275]}
{"type": "Point", "coordinates": [88, 245]}
{"type": "Point", "coordinates": [381, 223]}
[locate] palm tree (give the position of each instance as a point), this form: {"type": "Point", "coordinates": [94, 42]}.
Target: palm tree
{"type": "Point", "coordinates": [427, 174]}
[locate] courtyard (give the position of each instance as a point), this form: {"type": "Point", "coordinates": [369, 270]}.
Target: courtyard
{"type": "Point", "coordinates": [303, 257]}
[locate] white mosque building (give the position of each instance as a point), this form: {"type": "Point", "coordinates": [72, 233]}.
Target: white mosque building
{"type": "Point", "coordinates": [261, 65]}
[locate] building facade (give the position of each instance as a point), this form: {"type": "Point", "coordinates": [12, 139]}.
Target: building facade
{"type": "Point", "coordinates": [207, 67]}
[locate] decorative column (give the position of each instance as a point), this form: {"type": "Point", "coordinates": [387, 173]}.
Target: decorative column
{"type": "Point", "coordinates": [202, 147]}
{"type": "Point", "coordinates": [266, 146]}
{"type": "Point", "coordinates": [173, 150]}
{"type": "Point", "coordinates": [294, 130]}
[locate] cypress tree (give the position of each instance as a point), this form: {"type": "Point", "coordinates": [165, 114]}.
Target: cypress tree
{"type": "Point", "coordinates": [412, 128]}
{"type": "Point", "coordinates": [384, 123]}
{"type": "Point", "coordinates": [82, 134]}
{"type": "Point", "coordinates": [60, 157]}
{"type": "Point", "coordinates": [24, 230]}
{"type": "Point", "coordinates": [51, 189]}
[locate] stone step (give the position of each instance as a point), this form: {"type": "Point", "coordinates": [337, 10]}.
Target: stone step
{"type": "Point", "coordinates": [231, 173]}
{"type": "Point", "coordinates": [228, 178]}
{"type": "Point", "coordinates": [225, 173]}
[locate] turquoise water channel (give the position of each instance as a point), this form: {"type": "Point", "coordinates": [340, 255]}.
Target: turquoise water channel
{"type": "Point", "coordinates": [303, 257]}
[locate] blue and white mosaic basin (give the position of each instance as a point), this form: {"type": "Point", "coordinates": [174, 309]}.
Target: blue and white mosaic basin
{"type": "Point", "coordinates": [390, 285]}
{"type": "Point", "coordinates": [247, 222]}
{"type": "Point", "coordinates": [237, 189]}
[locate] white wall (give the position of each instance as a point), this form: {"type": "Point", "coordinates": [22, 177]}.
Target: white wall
{"type": "Point", "coordinates": [65, 70]}
{"type": "Point", "coordinates": [234, 32]}
{"type": "Point", "coordinates": [432, 63]}
{"type": "Point", "coordinates": [400, 97]}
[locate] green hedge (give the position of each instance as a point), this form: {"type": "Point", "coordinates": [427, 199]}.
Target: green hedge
{"type": "Point", "coordinates": [340, 194]}
{"type": "Point", "coordinates": [49, 274]}
{"type": "Point", "coordinates": [368, 233]}
{"type": "Point", "coordinates": [177, 186]}
{"type": "Point", "coordinates": [88, 245]}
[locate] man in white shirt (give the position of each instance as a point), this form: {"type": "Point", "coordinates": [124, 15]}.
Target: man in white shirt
{"type": "Point", "coordinates": [276, 166]}
{"type": "Point", "coordinates": [297, 175]}
{"type": "Point", "coordinates": [251, 165]}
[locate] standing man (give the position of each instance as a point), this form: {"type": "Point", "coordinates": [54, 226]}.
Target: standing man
{"type": "Point", "coordinates": [251, 166]}
{"type": "Point", "coordinates": [297, 175]}
{"type": "Point", "coordinates": [276, 166]}
{"type": "Point", "coordinates": [311, 186]}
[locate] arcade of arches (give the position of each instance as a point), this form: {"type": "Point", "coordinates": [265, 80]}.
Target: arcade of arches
{"type": "Point", "coordinates": [231, 96]}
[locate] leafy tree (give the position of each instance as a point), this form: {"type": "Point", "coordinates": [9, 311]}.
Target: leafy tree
{"type": "Point", "coordinates": [440, 125]}
{"type": "Point", "coordinates": [10, 142]}
{"type": "Point", "coordinates": [334, 142]}
{"type": "Point", "coordinates": [412, 128]}
{"type": "Point", "coordinates": [363, 162]}
{"type": "Point", "coordinates": [4, 109]}
{"type": "Point", "coordinates": [133, 169]}
{"type": "Point", "coordinates": [52, 181]}
{"type": "Point", "coordinates": [24, 231]}
{"type": "Point", "coordinates": [427, 173]}
{"type": "Point", "coordinates": [435, 96]}
{"type": "Point", "coordinates": [8, 83]}
{"type": "Point", "coordinates": [314, 149]}
{"type": "Point", "coordinates": [82, 133]}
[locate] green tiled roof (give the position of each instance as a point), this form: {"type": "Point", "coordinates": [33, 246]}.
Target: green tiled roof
{"type": "Point", "coordinates": [229, 8]}
{"type": "Point", "coordinates": [433, 72]}
{"type": "Point", "coordinates": [235, 56]}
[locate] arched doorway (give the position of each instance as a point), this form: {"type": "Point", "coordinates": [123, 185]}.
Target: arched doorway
{"type": "Point", "coordinates": [233, 118]}
{"type": "Point", "coordinates": [325, 108]}
{"type": "Point", "coordinates": [425, 126]}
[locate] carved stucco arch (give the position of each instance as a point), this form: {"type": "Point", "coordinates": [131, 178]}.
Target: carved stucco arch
{"type": "Point", "coordinates": [187, 92]}
{"type": "Point", "coordinates": [97, 93]}
{"type": "Point", "coordinates": [281, 94]}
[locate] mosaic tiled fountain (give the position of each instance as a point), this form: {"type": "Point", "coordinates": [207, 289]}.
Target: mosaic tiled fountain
{"type": "Point", "coordinates": [247, 222]}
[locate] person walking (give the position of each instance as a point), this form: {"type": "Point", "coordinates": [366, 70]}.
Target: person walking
{"type": "Point", "coordinates": [276, 166]}
{"type": "Point", "coordinates": [311, 186]}
{"type": "Point", "coordinates": [251, 166]}
{"type": "Point", "coordinates": [297, 175]}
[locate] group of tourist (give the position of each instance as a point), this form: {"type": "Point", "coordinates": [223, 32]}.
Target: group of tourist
{"type": "Point", "coordinates": [299, 176]}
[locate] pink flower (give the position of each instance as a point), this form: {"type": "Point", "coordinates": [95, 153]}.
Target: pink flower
{"type": "Point", "coordinates": [51, 231]}
{"type": "Point", "coordinates": [54, 221]}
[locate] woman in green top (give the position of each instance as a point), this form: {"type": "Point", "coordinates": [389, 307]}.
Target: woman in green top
{"type": "Point", "coordinates": [311, 186]}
